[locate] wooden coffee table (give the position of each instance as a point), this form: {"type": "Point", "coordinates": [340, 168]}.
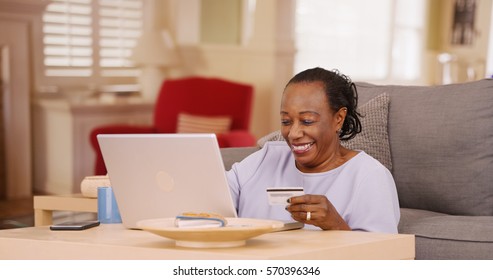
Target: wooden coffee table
{"type": "Point", "coordinates": [113, 241]}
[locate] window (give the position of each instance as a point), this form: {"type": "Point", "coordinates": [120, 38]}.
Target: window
{"type": "Point", "coordinates": [380, 40]}
{"type": "Point", "coordinates": [91, 38]}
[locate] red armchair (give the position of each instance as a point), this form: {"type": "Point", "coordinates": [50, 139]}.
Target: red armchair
{"type": "Point", "coordinates": [195, 96]}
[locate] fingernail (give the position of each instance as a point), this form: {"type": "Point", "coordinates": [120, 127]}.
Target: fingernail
{"type": "Point", "coordinates": [289, 200]}
{"type": "Point", "coordinates": [286, 207]}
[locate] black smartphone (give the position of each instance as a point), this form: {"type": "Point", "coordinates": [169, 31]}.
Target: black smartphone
{"type": "Point", "coordinates": [75, 225]}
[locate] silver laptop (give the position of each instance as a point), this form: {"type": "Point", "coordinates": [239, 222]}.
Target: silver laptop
{"type": "Point", "coordinates": [163, 175]}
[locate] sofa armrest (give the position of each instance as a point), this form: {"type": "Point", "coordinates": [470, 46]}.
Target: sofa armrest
{"type": "Point", "coordinates": [99, 166]}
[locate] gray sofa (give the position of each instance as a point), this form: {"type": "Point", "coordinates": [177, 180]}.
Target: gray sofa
{"type": "Point", "coordinates": [441, 152]}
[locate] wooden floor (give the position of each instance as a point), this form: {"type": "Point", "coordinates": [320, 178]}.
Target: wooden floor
{"type": "Point", "coordinates": [16, 213]}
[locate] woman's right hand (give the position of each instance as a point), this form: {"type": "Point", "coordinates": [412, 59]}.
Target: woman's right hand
{"type": "Point", "coordinates": [316, 210]}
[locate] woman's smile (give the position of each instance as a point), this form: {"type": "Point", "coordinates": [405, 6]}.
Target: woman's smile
{"type": "Point", "coordinates": [301, 148]}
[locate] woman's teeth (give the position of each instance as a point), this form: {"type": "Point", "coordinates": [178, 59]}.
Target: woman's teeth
{"type": "Point", "coordinates": [302, 148]}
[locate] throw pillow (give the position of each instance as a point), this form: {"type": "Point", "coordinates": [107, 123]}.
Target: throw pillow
{"type": "Point", "coordinates": [203, 124]}
{"type": "Point", "coordinates": [373, 139]}
{"type": "Point", "coordinates": [273, 136]}
{"type": "Point", "coordinates": [374, 136]}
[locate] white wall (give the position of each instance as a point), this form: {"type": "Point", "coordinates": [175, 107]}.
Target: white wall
{"type": "Point", "coordinates": [489, 61]}
{"type": "Point", "coordinates": [264, 61]}
{"type": "Point", "coordinates": [16, 24]}
{"type": "Point", "coordinates": [475, 54]}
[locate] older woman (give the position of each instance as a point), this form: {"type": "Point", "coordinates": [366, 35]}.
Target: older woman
{"type": "Point", "coordinates": [344, 189]}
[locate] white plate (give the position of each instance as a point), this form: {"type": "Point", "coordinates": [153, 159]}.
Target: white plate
{"type": "Point", "coordinates": [234, 234]}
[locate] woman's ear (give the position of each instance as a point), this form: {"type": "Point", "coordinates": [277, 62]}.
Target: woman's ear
{"type": "Point", "coordinates": [341, 116]}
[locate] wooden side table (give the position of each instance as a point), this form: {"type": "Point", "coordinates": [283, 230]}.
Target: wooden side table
{"type": "Point", "coordinates": [44, 205]}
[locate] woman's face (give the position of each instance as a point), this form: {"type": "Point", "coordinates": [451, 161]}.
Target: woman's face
{"type": "Point", "coordinates": [310, 126]}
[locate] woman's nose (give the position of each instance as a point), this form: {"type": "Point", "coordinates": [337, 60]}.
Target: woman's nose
{"type": "Point", "coordinates": [295, 131]}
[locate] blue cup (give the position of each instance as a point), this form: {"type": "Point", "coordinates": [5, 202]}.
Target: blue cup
{"type": "Point", "coordinates": [108, 212]}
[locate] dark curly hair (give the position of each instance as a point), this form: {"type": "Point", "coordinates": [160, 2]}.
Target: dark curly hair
{"type": "Point", "coordinates": [340, 91]}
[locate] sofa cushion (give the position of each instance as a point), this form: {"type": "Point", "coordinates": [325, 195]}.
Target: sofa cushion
{"type": "Point", "coordinates": [441, 236]}
{"type": "Point", "coordinates": [373, 138]}
{"type": "Point", "coordinates": [232, 155]}
{"type": "Point", "coordinates": [441, 138]}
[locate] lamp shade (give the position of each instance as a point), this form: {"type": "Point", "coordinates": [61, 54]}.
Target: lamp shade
{"type": "Point", "coordinates": [154, 48]}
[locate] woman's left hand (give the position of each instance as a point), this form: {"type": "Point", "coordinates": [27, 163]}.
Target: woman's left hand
{"type": "Point", "coordinates": [316, 210]}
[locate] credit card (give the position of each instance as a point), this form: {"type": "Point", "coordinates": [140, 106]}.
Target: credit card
{"type": "Point", "coordinates": [279, 196]}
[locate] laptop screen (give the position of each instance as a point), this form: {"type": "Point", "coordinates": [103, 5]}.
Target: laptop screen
{"type": "Point", "coordinates": [164, 175]}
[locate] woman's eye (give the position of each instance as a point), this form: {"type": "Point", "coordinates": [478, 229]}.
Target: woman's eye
{"type": "Point", "coordinates": [285, 122]}
{"type": "Point", "coordinates": [307, 122]}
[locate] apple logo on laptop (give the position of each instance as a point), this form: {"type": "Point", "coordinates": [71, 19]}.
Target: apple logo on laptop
{"type": "Point", "coordinates": [165, 181]}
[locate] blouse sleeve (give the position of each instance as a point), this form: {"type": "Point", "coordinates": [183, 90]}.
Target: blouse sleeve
{"type": "Point", "coordinates": [242, 171]}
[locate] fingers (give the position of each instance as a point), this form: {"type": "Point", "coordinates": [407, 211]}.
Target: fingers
{"type": "Point", "coordinates": [307, 202]}
{"type": "Point", "coordinates": [304, 199]}
{"type": "Point", "coordinates": [301, 216]}
{"type": "Point", "coordinates": [306, 208]}
{"type": "Point", "coordinates": [316, 210]}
